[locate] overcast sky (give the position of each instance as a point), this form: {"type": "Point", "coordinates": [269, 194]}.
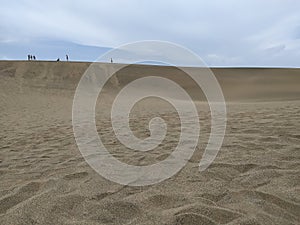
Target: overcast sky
{"type": "Point", "coordinates": [222, 32]}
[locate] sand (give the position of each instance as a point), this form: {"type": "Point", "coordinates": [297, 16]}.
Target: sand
{"type": "Point", "coordinates": [45, 180]}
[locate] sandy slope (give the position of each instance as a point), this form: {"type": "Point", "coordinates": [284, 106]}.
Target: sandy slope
{"type": "Point", "coordinates": [44, 179]}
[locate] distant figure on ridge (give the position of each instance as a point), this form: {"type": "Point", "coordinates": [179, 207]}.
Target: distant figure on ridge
{"type": "Point", "coordinates": [30, 57]}
{"type": "Point", "coordinates": [67, 57]}
{"type": "Point", "coordinates": [57, 60]}
{"type": "Point", "coordinates": [34, 57]}
{"type": "Point", "coordinates": [111, 60]}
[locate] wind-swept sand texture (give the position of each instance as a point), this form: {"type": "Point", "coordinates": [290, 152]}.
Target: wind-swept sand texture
{"type": "Point", "coordinates": [44, 179]}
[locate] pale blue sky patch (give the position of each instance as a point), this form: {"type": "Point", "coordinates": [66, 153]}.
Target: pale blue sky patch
{"type": "Point", "coordinates": [222, 32]}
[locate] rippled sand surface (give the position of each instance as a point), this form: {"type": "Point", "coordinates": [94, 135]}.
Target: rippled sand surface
{"type": "Point", "coordinates": [45, 180]}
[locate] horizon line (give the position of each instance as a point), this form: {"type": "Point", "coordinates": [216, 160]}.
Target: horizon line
{"type": "Point", "coordinates": [149, 64]}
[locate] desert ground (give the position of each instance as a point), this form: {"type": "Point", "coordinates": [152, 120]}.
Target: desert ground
{"type": "Point", "coordinates": [255, 178]}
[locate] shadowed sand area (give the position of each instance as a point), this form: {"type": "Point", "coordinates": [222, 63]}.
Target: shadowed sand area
{"type": "Point", "coordinates": [44, 179]}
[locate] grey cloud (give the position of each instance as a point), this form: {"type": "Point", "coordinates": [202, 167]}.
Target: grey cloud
{"type": "Point", "coordinates": [275, 49]}
{"type": "Point", "coordinates": [224, 33]}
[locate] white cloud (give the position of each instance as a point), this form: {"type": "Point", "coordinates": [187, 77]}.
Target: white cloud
{"type": "Point", "coordinates": [236, 32]}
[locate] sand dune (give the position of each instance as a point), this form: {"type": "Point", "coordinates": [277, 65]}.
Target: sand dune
{"type": "Point", "coordinates": [45, 180]}
{"type": "Point", "coordinates": [238, 84]}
